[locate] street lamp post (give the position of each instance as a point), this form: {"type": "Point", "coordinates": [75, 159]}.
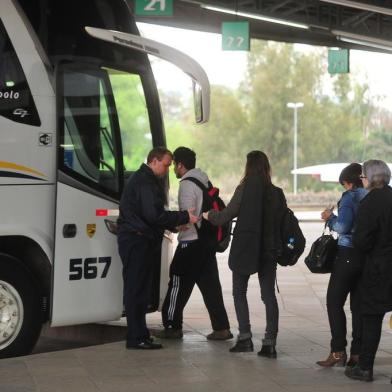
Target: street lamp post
{"type": "Point", "coordinates": [295, 106]}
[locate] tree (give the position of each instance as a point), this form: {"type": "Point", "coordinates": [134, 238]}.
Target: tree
{"type": "Point", "coordinates": [332, 127]}
{"type": "Point", "coordinates": [339, 124]}
{"type": "Point", "coordinates": [277, 74]}
{"type": "Point", "coordinates": [220, 145]}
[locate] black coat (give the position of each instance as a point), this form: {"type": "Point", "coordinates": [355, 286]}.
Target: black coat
{"type": "Point", "coordinates": [256, 228]}
{"type": "Point", "coordinates": [142, 207]}
{"type": "Point", "coordinates": [373, 236]}
{"type": "Point", "coordinates": [246, 245]}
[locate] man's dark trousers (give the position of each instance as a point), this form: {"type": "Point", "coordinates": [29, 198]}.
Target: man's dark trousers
{"type": "Point", "coordinates": [194, 264]}
{"type": "Point", "coordinates": [371, 335]}
{"type": "Point", "coordinates": [137, 255]}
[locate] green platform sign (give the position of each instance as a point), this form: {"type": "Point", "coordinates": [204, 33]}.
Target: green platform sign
{"type": "Point", "coordinates": [154, 7]}
{"type": "Point", "coordinates": [338, 61]}
{"type": "Point", "coordinates": [235, 36]}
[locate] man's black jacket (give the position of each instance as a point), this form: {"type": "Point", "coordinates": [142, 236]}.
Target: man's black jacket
{"type": "Point", "coordinates": [373, 238]}
{"type": "Point", "coordinates": [142, 207]}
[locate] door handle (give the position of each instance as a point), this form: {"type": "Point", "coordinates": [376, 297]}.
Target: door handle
{"type": "Point", "coordinates": [168, 235]}
{"type": "Point", "coordinates": [111, 226]}
{"type": "Point", "coordinates": [69, 230]}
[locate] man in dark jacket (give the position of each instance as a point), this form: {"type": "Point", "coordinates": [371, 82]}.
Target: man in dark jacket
{"type": "Point", "coordinates": [373, 237]}
{"type": "Point", "coordinates": [142, 222]}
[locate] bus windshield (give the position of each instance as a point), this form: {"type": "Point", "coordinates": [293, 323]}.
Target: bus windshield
{"type": "Point", "coordinates": [133, 117]}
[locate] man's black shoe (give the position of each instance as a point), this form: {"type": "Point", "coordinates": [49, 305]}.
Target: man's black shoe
{"type": "Point", "coordinates": [356, 373]}
{"type": "Point", "coordinates": [267, 351]}
{"type": "Point", "coordinates": [242, 346]}
{"type": "Point", "coordinates": [145, 345]}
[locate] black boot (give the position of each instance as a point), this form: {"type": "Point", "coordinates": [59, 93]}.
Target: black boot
{"type": "Point", "coordinates": [267, 351]}
{"type": "Point", "coordinates": [242, 346]}
{"type": "Point", "coordinates": [357, 373]}
{"type": "Point", "coordinates": [354, 359]}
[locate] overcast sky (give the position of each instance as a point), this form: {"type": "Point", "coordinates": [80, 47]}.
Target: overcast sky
{"type": "Point", "coordinates": [227, 68]}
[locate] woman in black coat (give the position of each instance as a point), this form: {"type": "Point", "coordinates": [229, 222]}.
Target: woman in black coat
{"type": "Point", "coordinates": [257, 203]}
{"type": "Point", "coordinates": [373, 237]}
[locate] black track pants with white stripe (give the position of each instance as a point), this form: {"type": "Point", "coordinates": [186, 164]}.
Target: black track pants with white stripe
{"type": "Point", "coordinates": [193, 264]}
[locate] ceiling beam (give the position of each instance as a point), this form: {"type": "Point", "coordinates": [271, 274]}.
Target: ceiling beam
{"type": "Point", "coordinates": [361, 6]}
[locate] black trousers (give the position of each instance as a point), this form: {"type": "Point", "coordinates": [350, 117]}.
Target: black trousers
{"type": "Point", "coordinates": [371, 335]}
{"type": "Point", "coordinates": [194, 264]}
{"type": "Point", "coordinates": [137, 255]}
{"type": "Point", "coordinates": [344, 280]}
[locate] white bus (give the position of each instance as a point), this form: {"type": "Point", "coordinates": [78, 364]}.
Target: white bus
{"type": "Point", "coordinates": [79, 110]}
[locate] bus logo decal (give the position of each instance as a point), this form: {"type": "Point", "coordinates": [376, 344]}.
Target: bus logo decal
{"type": "Point", "coordinates": [45, 139]}
{"type": "Point", "coordinates": [91, 228]}
{"type": "Point", "coordinates": [9, 94]}
{"type": "Point", "coordinates": [21, 112]}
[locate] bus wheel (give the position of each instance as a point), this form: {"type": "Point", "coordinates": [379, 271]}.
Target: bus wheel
{"type": "Point", "coordinates": [20, 309]}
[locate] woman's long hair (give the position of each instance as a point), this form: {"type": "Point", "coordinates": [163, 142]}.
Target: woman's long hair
{"type": "Point", "coordinates": [257, 164]}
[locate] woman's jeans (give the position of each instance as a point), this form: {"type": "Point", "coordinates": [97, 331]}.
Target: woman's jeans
{"type": "Point", "coordinates": [267, 277]}
{"type": "Point", "coordinates": [343, 281]}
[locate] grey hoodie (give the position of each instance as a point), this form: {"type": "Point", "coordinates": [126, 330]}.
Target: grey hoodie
{"type": "Point", "coordinates": [191, 196]}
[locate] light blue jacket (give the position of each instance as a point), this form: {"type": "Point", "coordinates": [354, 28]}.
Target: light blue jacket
{"type": "Point", "coordinates": [343, 224]}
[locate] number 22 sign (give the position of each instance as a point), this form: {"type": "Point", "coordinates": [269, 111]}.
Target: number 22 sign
{"type": "Point", "coordinates": [235, 36]}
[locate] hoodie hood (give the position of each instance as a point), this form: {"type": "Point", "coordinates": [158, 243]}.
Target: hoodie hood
{"type": "Point", "coordinates": [198, 174]}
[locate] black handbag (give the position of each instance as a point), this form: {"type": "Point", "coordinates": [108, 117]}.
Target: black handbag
{"type": "Point", "coordinates": [322, 253]}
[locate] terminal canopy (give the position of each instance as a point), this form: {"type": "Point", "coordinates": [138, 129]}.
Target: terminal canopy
{"type": "Point", "coordinates": [334, 23]}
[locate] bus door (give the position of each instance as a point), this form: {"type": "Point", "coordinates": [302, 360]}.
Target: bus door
{"type": "Point", "coordinates": [87, 281]}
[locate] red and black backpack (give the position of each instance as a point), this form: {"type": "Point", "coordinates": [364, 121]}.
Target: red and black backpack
{"type": "Point", "coordinates": [216, 237]}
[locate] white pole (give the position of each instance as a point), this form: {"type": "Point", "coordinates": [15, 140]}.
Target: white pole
{"type": "Point", "coordinates": [295, 148]}
{"type": "Point", "coordinates": [295, 106]}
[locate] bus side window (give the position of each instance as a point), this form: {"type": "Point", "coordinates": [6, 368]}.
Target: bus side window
{"type": "Point", "coordinates": [16, 101]}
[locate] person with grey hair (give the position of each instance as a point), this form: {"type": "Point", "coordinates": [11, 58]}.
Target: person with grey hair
{"type": "Point", "coordinates": [373, 237]}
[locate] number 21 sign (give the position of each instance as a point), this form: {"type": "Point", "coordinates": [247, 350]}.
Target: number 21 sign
{"type": "Point", "coordinates": [154, 7]}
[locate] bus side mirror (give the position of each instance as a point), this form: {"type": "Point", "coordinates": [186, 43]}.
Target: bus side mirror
{"type": "Point", "coordinates": [198, 102]}
{"type": "Point", "coordinates": [201, 85]}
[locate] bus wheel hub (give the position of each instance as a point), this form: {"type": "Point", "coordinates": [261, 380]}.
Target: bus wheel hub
{"type": "Point", "coordinates": [11, 314]}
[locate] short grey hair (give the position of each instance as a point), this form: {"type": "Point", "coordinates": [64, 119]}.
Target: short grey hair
{"type": "Point", "coordinates": [377, 172]}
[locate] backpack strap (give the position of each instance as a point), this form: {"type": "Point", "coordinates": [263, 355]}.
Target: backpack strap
{"type": "Point", "coordinates": [203, 188]}
{"type": "Point", "coordinates": [198, 183]}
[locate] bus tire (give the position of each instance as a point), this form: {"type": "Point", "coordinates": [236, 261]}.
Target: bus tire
{"type": "Point", "coordinates": [20, 308]}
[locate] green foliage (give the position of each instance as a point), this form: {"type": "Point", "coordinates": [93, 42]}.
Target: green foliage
{"type": "Point", "coordinates": [133, 118]}
{"type": "Point", "coordinates": [378, 144]}
{"type": "Point", "coordinates": [221, 144]}
{"type": "Point", "coordinates": [342, 125]}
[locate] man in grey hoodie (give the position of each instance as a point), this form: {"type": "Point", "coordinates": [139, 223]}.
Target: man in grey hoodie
{"type": "Point", "coordinates": [193, 262]}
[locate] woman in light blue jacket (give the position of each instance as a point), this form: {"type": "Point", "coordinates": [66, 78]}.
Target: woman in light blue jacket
{"type": "Point", "coordinates": [346, 271]}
